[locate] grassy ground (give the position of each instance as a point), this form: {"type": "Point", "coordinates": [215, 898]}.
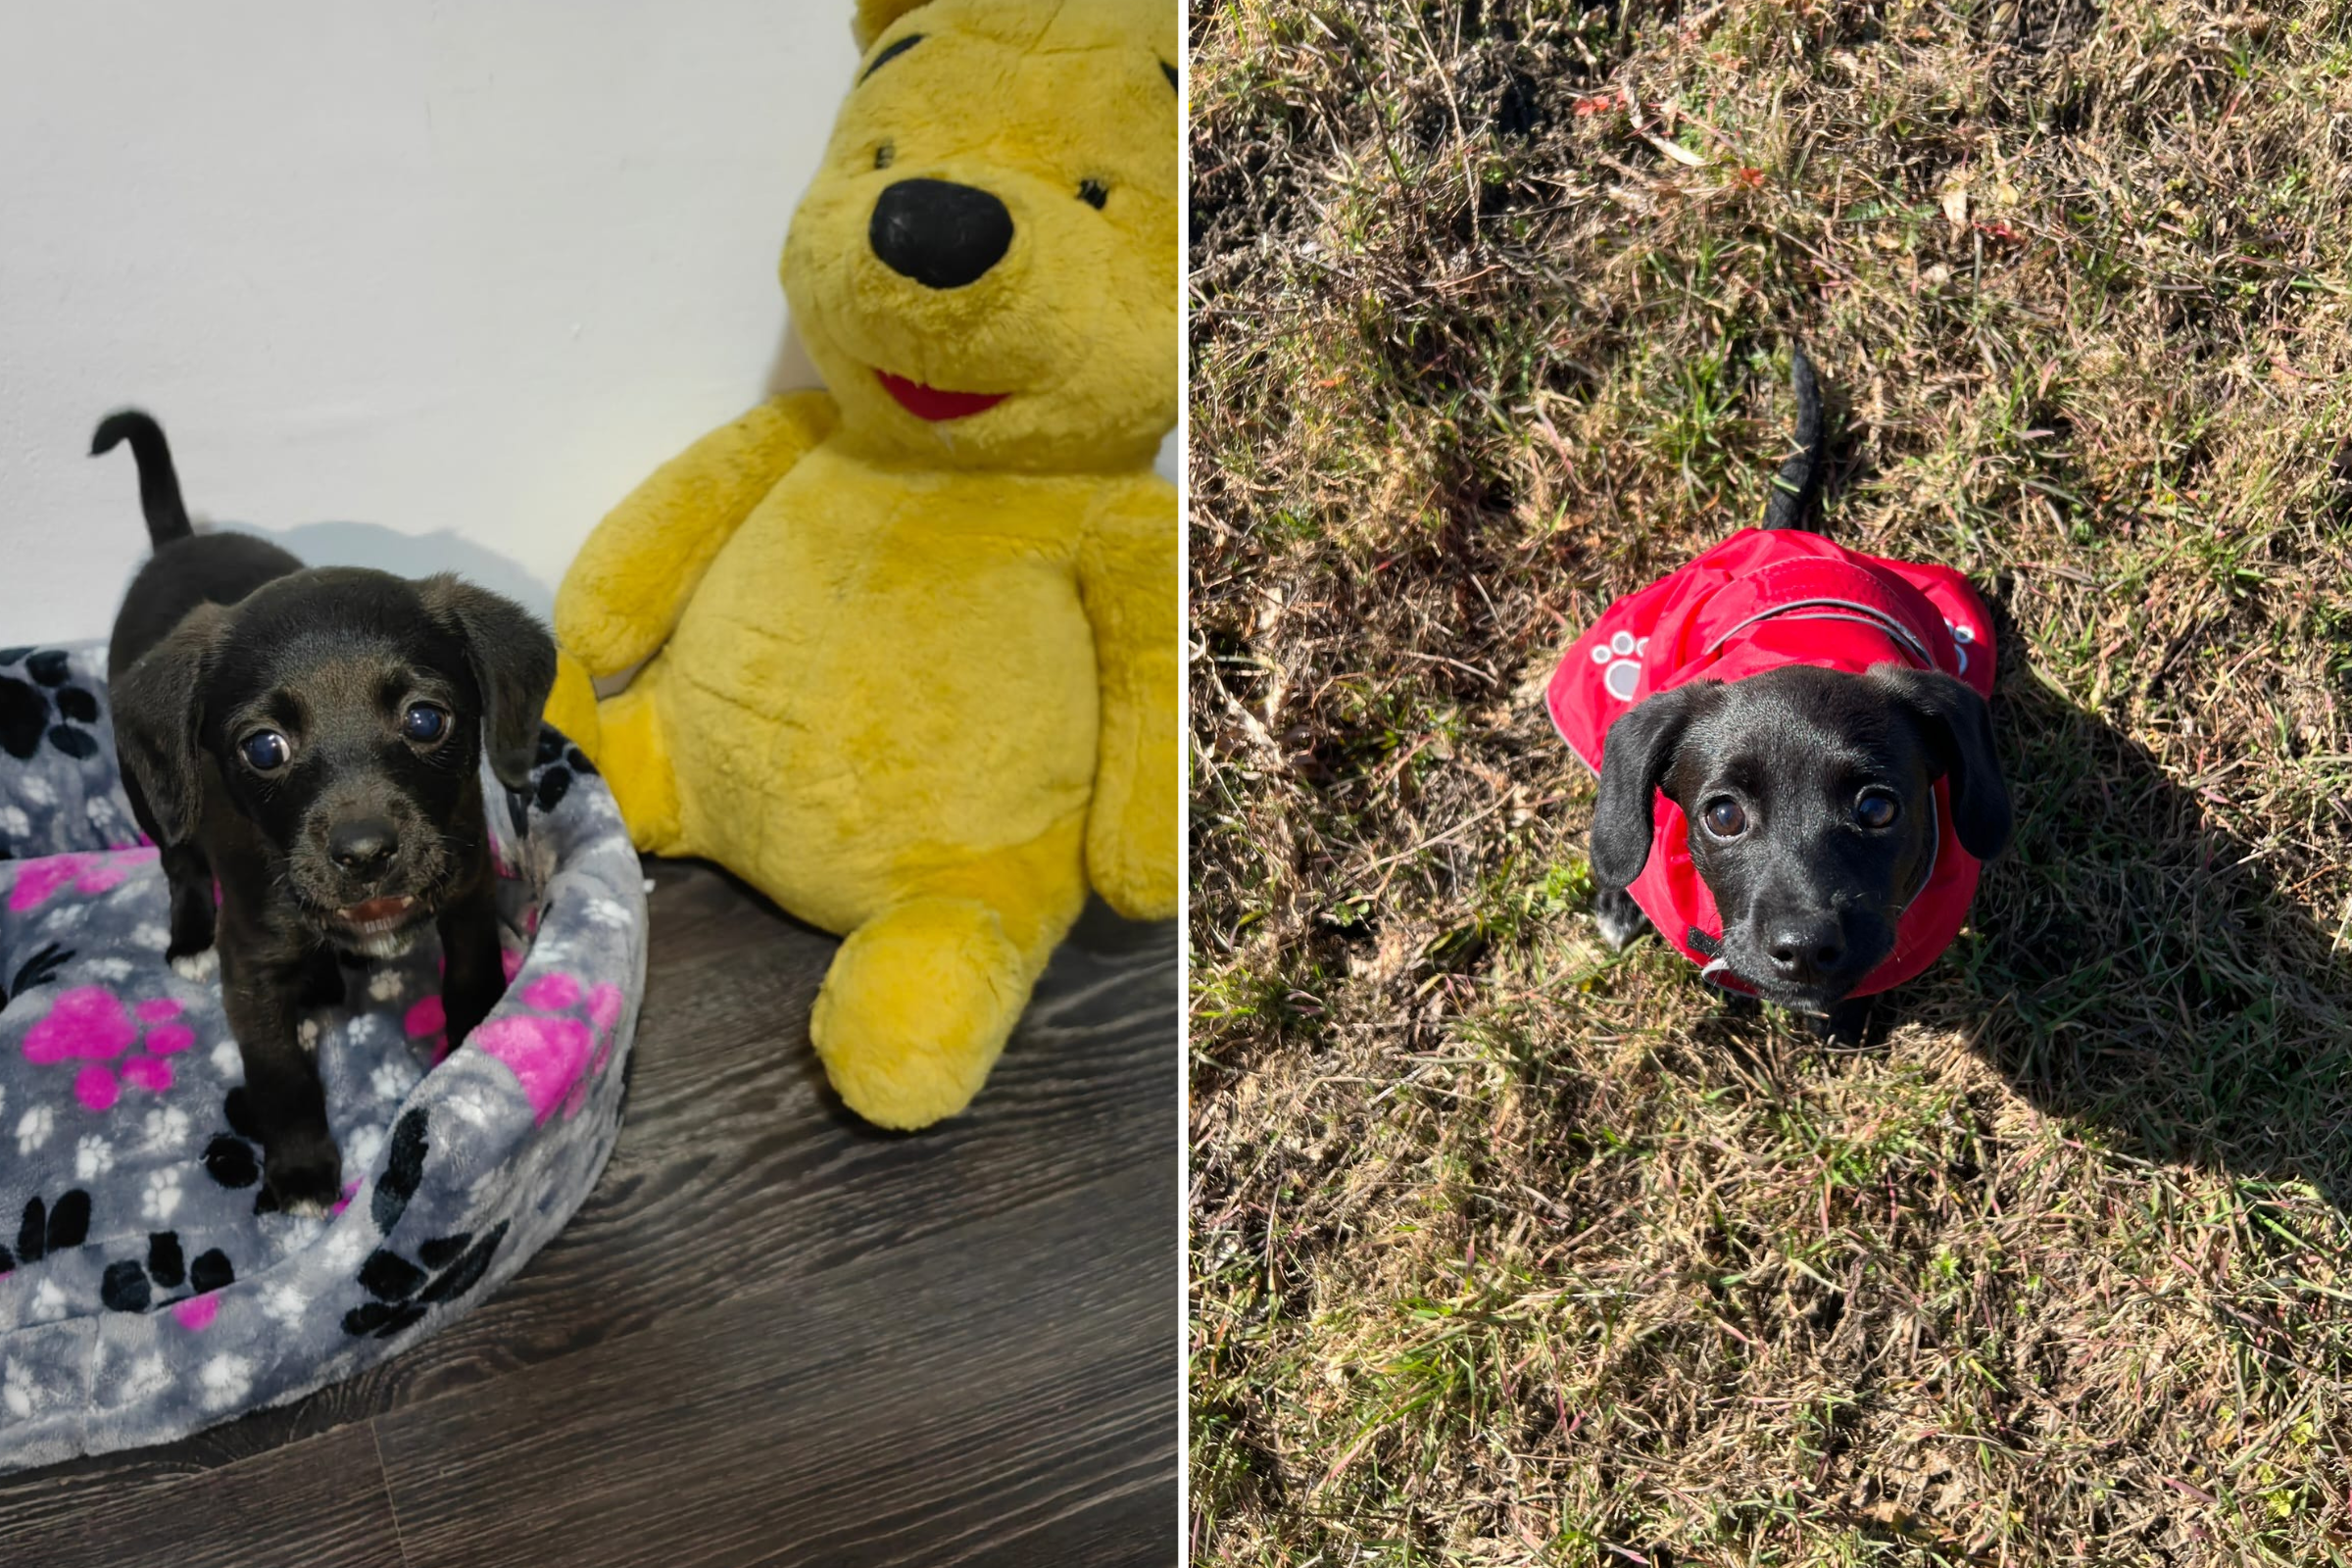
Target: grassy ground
{"type": "Point", "coordinates": [1508, 1250]}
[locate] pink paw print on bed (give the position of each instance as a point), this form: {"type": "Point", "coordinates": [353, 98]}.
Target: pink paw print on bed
{"type": "Point", "coordinates": [558, 1049]}
{"type": "Point", "coordinates": [430, 1019]}
{"type": "Point", "coordinates": [553, 1058]}
{"type": "Point", "coordinates": [91, 1025]}
{"type": "Point", "coordinates": [88, 874]}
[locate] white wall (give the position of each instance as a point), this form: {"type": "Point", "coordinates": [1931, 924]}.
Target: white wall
{"type": "Point", "coordinates": [449, 277]}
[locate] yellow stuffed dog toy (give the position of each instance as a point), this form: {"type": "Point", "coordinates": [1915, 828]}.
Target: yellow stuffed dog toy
{"type": "Point", "coordinates": [913, 640]}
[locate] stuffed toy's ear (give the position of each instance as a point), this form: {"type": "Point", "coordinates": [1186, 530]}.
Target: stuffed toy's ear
{"type": "Point", "coordinates": [874, 17]}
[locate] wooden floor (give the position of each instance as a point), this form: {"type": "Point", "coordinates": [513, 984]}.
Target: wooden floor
{"type": "Point", "coordinates": [773, 1335]}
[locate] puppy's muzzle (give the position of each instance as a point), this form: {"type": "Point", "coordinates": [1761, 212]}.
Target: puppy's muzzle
{"type": "Point", "coordinates": [1805, 951]}
{"type": "Point", "coordinates": [363, 846]}
{"type": "Point", "coordinates": [366, 873]}
{"type": "Point", "coordinates": [365, 850]}
{"type": "Point", "coordinates": [1810, 960]}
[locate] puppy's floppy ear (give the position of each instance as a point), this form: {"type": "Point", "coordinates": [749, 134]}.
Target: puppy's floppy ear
{"type": "Point", "coordinates": [1633, 757]}
{"type": "Point", "coordinates": [1958, 726]}
{"type": "Point", "coordinates": [159, 711]}
{"type": "Point", "coordinates": [513, 662]}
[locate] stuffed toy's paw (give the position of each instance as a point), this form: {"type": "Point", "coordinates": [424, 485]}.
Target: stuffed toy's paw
{"type": "Point", "coordinates": [915, 1010]}
{"type": "Point", "coordinates": [1132, 854]}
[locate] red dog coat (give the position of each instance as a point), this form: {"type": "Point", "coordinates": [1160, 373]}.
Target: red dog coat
{"type": "Point", "coordinates": [1756, 602]}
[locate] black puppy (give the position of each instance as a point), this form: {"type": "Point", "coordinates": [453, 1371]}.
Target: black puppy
{"type": "Point", "coordinates": [310, 737]}
{"type": "Point", "coordinates": [1809, 794]}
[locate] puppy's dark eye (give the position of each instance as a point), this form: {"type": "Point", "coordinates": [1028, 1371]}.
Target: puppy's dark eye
{"type": "Point", "coordinates": [424, 724]}
{"type": "Point", "coordinates": [1724, 817]}
{"type": "Point", "coordinates": [1094, 193]}
{"type": "Point", "coordinates": [265, 751]}
{"type": "Point", "coordinates": [1876, 809]}
{"type": "Point", "coordinates": [885, 155]}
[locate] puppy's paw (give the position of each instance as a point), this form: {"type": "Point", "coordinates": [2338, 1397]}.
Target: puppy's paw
{"type": "Point", "coordinates": [1619, 917]}
{"type": "Point", "coordinates": [199, 967]}
{"type": "Point", "coordinates": [302, 1176]}
{"type": "Point", "coordinates": [193, 922]}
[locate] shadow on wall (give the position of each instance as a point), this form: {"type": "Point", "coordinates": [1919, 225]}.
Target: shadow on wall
{"type": "Point", "coordinates": [406, 555]}
{"type": "Point", "coordinates": [789, 368]}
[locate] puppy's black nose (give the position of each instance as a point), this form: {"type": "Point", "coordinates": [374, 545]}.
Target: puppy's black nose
{"type": "Point", "coordinates": [940, 234]}
{"type": "Point", "coordinates": [1805, 949]}
{"type": "Point", "coordinates": [364, 843]}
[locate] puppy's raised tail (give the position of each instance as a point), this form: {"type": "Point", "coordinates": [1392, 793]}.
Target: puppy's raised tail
{"type": "Point", "coordinates": [1798, 483]}
{"type": "Point", "coordinates": [159, 482]}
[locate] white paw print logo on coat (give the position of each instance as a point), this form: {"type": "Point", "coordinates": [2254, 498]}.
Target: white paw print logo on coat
{"type": "Point", "coordinates": [1623, 655]}
{"type": "Point", "coordinates": [1962, 638]}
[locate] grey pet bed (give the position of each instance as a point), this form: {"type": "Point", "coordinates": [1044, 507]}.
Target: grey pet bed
{"type": "Point", "coordinates": [142, 1295]}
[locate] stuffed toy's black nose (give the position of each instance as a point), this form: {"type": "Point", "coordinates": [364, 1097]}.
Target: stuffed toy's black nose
{"type": "Point", "coordinates": [943, 235]}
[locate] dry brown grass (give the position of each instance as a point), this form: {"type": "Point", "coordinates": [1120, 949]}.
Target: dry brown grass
{"type": "Point", "coordinates": [1506, 1250]}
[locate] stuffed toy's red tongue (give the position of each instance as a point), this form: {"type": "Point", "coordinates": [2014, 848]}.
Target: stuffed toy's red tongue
{"type": "Point", "coordinates": [933, 404]}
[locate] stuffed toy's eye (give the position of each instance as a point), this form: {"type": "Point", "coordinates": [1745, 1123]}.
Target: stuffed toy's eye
{"type": "Point", "coordinates": [424, 724]}
{"type": "Point", "coordinates": [265, 751]}
{"type": "Point", "coordinates": [1724, 817]}
{"type": "Point", "coordinates": [1877, 809]}
{"type": "Point", "coordinates": [885, 155]}
{"type": "Point", "coordinates": [1094, 193]}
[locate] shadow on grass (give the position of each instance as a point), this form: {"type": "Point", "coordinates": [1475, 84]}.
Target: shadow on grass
{"type": "Point", "coordinates": [2137, 968]}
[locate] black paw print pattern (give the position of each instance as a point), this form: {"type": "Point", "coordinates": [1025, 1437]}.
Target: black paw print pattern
{"type": "Point", "coordinates": [233, 1158]}
{"type": "Point", "coordinates": [404, 1290]}
{"type": "Point", "coordinates": [49, 1228]}
{"type": "Point", "coordinates": [37, 970]}
{"type": "Point", "coordinates": [446, 1268]}
{"type": "Point", "coordinates": [131, 1286]}
{"type": "Point", "coordinates": [45, 706]}
{"type": "Point", "coordinates": [404, 1168]}
{"type": "Point", "coordinates": [557, 763]}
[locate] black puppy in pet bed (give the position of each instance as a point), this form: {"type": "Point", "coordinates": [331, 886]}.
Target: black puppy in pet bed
{"type": "Point", "coordinates": [309, 737]}
{"type": "Point", "coordinates": [1797, 778]}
